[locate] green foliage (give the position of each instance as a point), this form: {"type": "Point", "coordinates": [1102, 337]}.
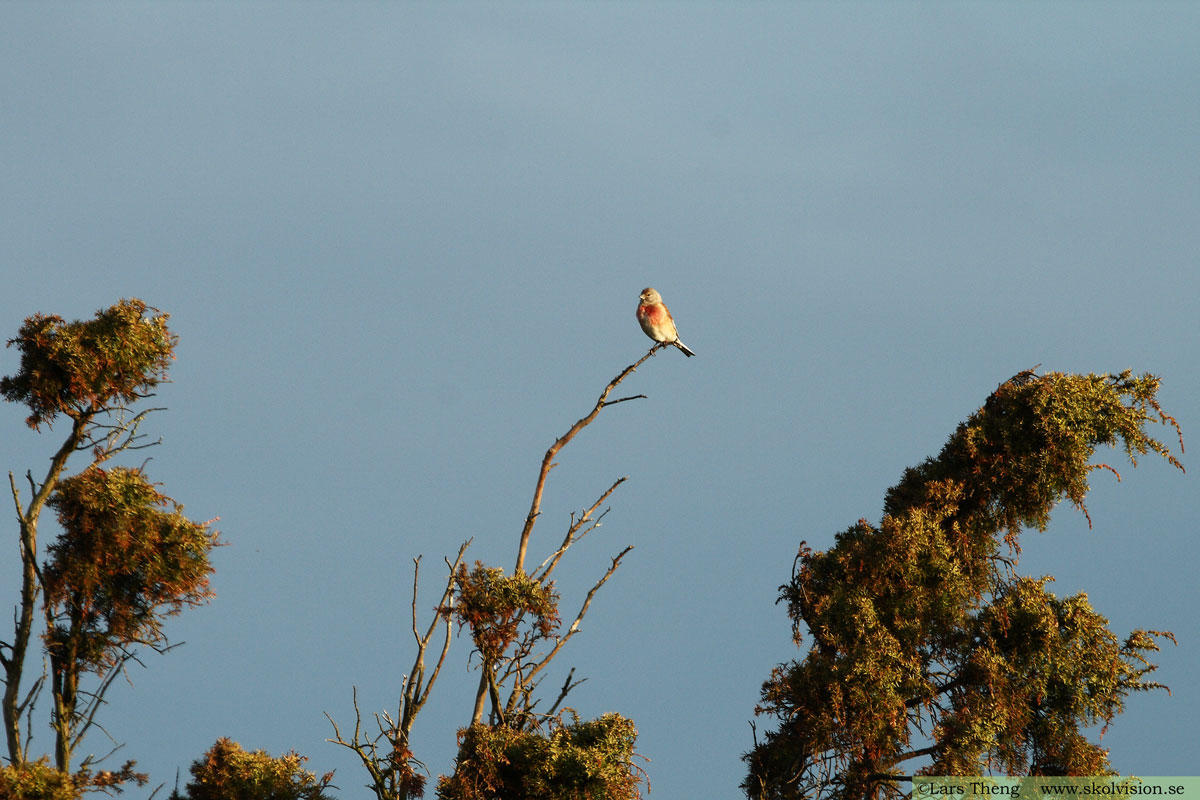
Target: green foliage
{"type": "Point", "coordinates": [1030, 446]}
{"type": "Point", "coordinates": [77, 368]}
{"type": "Point", "coordinates": [1040, 667]}
{"type": "Point", "coordinates": [126, 557]}
{"type": "Point", "coordinates": [493, 605]}
{"type": "Point", "coordinates": [227, 772]}
{"type": "Point", "coordinates": [515, 626]}
{"type": "Point", "coordinates": [37, 780]}
{"type": "Point", "coordinates": [581, 761]}
{"type": "Point", "coordinates": [925, 644]}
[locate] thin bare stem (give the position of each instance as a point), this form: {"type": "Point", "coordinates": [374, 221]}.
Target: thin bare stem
{"type": "Point", "coordinates": [551, 562]}
{"type": "Point", "coordinates": [31, 584]}
{"type": "Point", "coordinates": [535, 507]}
{"type": "Point", "coordinates": [392, 776]}
{"type": "Point", "coordinates": [562, 693]}
{"type": "Point", "coordinates": [527, 676]}
{"type": "Point", "coordinates": [107, 440]}
{"type": "Point", "coordinates": [416, 688]}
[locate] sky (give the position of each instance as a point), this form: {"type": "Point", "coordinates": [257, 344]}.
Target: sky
{"type": "Point", "coordinates": [402, 245]}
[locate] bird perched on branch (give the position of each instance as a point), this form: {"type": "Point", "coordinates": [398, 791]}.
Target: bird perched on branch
{"type": "Point", "coordinates": [656, 320]}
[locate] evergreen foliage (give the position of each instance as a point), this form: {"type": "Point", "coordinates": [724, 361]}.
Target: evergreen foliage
{"type": "Point", "coordinates": [126, 557]}
{"type": "Point", "coordinates": [925, 643]}
{"type": "Point", "coordinates": [590, 760]}
{"type": "Point", "coordinates": [36, 780]}
{"type": "Point", "coordinates": [85, 367]}
{"type": "Point", "coordinates": [227, 772]}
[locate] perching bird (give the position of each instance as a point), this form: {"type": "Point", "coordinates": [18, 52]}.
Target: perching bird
{"type": "Point", "coordinates": [656, 320]}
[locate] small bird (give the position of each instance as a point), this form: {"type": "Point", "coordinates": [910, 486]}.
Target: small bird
{"type": "Point", "coordinates": [656, 320]}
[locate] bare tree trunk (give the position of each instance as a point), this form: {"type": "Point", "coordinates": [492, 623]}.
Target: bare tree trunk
{"type": "Point", "coordinates": [14, 663]}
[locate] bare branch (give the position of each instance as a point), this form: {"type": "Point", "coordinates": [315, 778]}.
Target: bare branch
{"type": "Point", "coordinates": [392, 777]}
{"type": "Point", "coordinates": [16, 494]}
{"type": "Point", "coordinates": [365, 748]}
{"type": "Point", "coordinates": [414, 693]}
{"type": "Point", "coordinates": [86, 719]}
{"type": "Point", "coordinates": [119, 436]}
{"type": "Point", "coordinates": [91, 759]}
{"type": "Point", "coordinates": [551, 562]}
{"type": "Point", "coordinates": [562, 693]}
{"type": "Point", "coordinates": [562, 640]}
{"type": "Point", "coordinates": [623, 399]}
{"type": "Point", "coordinates": [535, 508]}
{"type": "Point", "coordinates": [515, 664]}
{"type": "Point", "coordinates": [31, 582]}
{"type": "Point", "coordinates": [32, 695]}
{"type": "Point", "coordinates": [416, 581]}
{"type": "Point", "coordinates": [391, 771]}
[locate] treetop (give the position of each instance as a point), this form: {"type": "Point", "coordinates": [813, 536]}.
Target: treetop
{"type": "Point", "coordinates": [87, 367]}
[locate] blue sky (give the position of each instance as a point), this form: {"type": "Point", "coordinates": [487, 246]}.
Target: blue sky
{"type": "Point", "coordinates": [402, 246]}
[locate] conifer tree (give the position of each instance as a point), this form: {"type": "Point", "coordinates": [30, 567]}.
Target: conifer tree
{"type": "Point", "coordinates": [126, 557]}
{"type": "Point", "coordinates": [928, 652]}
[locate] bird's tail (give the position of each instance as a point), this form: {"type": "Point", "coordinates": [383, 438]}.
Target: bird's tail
{"type": "Point", "coordinates": [684, 348]}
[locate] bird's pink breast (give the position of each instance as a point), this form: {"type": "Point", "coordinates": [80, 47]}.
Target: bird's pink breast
{"type": "Point", "coordinates": [652, 314]}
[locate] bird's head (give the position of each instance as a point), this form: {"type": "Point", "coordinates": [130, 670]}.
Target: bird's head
{"type": "Point", "coordinates": [650, 296]}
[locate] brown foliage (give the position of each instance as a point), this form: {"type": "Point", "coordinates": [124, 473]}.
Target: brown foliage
{"type": "Point", "coordinates": [77, 368]}
{"type": "Point", "coordinates": [227, 772]}
{"type": "Point", "coordinates": [38, 780]}
{"type": "Point", "coordinates": [127, 557]}
{"type": "Point", "coordinates": [590, 760]}
{"type": "Point", "coordinates": [493, 605]}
